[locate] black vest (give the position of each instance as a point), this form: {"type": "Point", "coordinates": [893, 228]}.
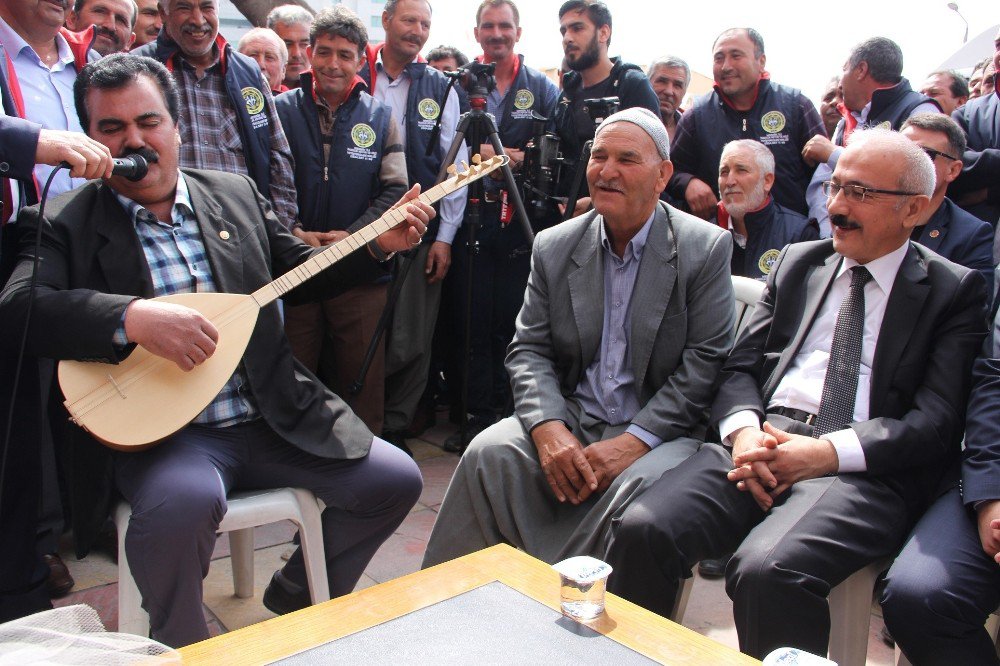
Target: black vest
{"type": "Point", "coordinates": [889, 105]}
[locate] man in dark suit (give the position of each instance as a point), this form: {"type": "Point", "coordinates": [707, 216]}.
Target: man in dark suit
{"type": "Point", "coordinates": [23, 144]}
{"type": "Point", "coordinates": [948, 230]}
{"type": "Point", "coordinates": [109, 246]}
{"type": "Point", "coordinates": [858, 357]}
{"type": "Point", "coordinates": [946, 580]}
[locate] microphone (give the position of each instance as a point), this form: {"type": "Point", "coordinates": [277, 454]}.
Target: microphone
{"type": "Point", "coordinates": [132, 167]}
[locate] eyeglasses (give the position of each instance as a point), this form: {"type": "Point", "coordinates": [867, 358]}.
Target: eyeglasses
{"type": "Point", "coordinates": [858, 192]}
{"type": "Point", "coordinates": [931, 153]}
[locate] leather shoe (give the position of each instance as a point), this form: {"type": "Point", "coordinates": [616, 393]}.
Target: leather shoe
{"type": "Point", "coordinates": [59, 582]}
{"type": "Point", "coordinates": [280, 601]}
{"type": "Point", "coordinates": [713, 569]}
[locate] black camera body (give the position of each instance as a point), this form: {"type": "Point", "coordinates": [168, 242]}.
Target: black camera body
{"type": "Point", "coordinates": [477, 79]}
{"type": "Point", "coordinates": [539, 174]}
{"type": "Point", "coordinates": [600, 108]}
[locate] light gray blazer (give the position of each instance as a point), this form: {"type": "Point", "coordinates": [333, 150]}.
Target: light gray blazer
{"type": "Point", "coordinates": [682, 316]}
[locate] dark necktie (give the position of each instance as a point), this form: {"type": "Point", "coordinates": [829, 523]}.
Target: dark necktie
{"type": "Point", "coordinates": [840, 387]}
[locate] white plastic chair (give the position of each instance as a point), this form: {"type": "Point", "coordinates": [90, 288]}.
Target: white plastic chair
{"type": "Point", "coordinates": [850, 615]}
{"type": "Point", "coordinates": [245, 510]}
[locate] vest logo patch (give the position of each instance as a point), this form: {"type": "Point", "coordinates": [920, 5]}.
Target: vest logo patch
{"type": "Point", "coordinates": [773, 122]}
{"type": "Point", "coordinates": [428, 109]}
{"type": "Point", "coordinates": [885, 124]}
{"type": "Point", "coordinates": [766, 262]}
{"type": "Point", "coordinates": [362, 135]}
{"type": "Point", "coordinates": [254, 100]}
{"type": "Point", "coordinates": [523, 99]}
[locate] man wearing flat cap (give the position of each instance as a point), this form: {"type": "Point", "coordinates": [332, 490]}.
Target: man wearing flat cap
{"type": "Point", "coordinates": [627, 319]}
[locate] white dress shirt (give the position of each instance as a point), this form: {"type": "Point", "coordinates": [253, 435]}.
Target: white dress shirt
{"type": "Point", "coordinates": [802, 386]}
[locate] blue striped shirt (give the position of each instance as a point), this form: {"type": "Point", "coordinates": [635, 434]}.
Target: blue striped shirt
{"type": "Point", "coordinates": [607, 390]}
{"type": "Point", "coordinates": [178, 265]}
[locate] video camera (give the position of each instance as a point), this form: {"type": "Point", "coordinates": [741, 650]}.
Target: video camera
{"type": "Point", "coordinates": [476, 78]}
{"type": "Point", "coordinates": [539, 174]}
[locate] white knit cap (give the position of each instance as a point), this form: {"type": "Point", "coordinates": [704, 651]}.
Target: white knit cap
{"type": "Point", "coordinates": [647, 122]}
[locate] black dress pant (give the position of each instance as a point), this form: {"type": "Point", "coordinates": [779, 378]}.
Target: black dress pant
{"type": "Point", "coordinates": [786, 561]}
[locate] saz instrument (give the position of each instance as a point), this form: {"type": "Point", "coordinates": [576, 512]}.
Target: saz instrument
{"type": "Point", "coordinates": [140, 401]}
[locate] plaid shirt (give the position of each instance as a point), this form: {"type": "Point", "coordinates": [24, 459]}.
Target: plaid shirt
{"type": "Point", "coordinates": [213, 141]}
{"type": "Point", "coordinates": [178, 264]}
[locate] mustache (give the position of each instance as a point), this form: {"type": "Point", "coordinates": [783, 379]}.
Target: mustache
{"type": "Point", "coordinates": [107, 32]}
{"type": "Point", "coordinates": [145, 152]}
{"type": "Point", "coordinates": [188, 29]}
{"type": "Point", "coordinates": [609, 185]}
{"type": "Point", "coordinates": [843, 222]}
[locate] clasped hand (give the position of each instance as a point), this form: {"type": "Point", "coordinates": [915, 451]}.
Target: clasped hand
{"type": "Point", "coordinates": [573, 472]}
{"type": "Point", "coordinates": [767, 462]}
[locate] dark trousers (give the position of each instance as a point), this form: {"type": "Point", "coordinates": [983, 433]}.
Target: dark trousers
{"type": "Point", "coordinates": [941, 589]}
{"type": "Point", "coordinates": [178, 495]}
{"type": "Point", "coordinates": [499, 277]}
{"type": "Point", "coordinates": [786, 562]}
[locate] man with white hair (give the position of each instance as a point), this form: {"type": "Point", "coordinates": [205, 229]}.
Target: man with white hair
{"type": "Point", "coordinates": [626, 321]}
{"type": "Point", "coordinates": [760, 226]}
{"type": "Point", "coordinates": [265, 47]}
{"type": "Point", "coordinates": [838, 410]}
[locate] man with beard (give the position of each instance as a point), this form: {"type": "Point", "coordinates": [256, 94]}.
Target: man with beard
{"type": "Point", "coordinates": [398, 77]}
{"type": "Point", "coordinates": [670, 77]}
{"type": "Point", "coordinates": [112, 245]}
{"type": "Point", "coordinates": [291, 23]}
{"type": "Point", "coordinates": [761, 227]}
{"type": "Point", "coordinates": [627, 318]}
{"type": "Point", "coordinates": [147, 23]}
{"type": "Point", "coordinates": [500, 264]}
{"type": "Point", "coordinates": [745, 103]}
{"type": "Point", "coordinates": [585, 26]}
{"type": "Point", "coordinates": [113, 22]}
{"type": "Point", "coordinates": [228, 117]}
{"type": "Point", "coordinates": [839, 409]}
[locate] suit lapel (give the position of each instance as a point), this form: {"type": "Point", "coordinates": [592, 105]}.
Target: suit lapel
{"type": "Point", "coordinates": [654, 287]}
{"type": "Point", "coordinates": [906, 302]}
{"type": "Point", "coordinates": [936, 229]}
{"type": "Point", "coordinates": [221, 239]}
{"type": "Point", "coordinates": [586, 290]}
{"type": "Point", "coordinates": [120, 257]}
{"type": "Point", "coordinates": [817, 286]}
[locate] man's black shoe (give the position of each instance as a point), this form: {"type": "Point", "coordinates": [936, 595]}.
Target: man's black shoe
{"type": "Point", "coordinates": [477, 424]}
{"type": "Point", "coordinates": [60, 582]}
{"type": "Point", "coordinates": [713, 569]}
{"type": "Point", "coordinates": [398, 439]}
{"type": "Point", "coordinates": [280, 601]}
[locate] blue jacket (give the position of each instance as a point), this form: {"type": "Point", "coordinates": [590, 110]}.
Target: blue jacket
{"type": "Point", "coordinates": [960, 237]}
{"type": "Point", "coordinates": [423, 106]}
{"type": "Point", "coordinates": [334, 195]}
{"type": "Point", "coordinates": [243, 85]}
{"type": "Point", "coordinates": [530, 91]}
{"type": "Point", "coordinates": [769, 230]}
{"type": "Point", "coordinates": [781, 118]}
{"type": "Point", "coordinates": [889, 105]}
{"type": "Point", "coordinates": [980, 118]}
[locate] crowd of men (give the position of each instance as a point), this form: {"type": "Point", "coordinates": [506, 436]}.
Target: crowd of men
{"type": "Point", "coordinates": [608, 407]}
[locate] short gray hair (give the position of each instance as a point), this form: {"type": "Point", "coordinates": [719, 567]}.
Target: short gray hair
{"type": "Point", "coordinates": [671, 62]}
{"type": "Point", "coordinates": [266, 33]}
{"type": "Point", "coordinates": [289, 15]}
{"type": "Point", "coordinates": [390, 7]}
{"type": "Point", "coordinates": [884, 58]}
{"type": "Point", "coordinates": [762, 155]}
{"type": "Point", "coordinates": [339, 21]}
{"type": "Point", "coordinates": [918, 171]}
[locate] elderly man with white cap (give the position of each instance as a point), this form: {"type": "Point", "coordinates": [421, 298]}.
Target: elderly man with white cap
{"type": "Point", "coordinates": [626, 322]}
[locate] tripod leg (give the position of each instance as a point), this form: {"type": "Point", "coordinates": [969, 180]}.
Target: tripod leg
{"type": "Point", "coordinates": [512, 189]}
{"type": "Point", "coordinates": [574, 193]}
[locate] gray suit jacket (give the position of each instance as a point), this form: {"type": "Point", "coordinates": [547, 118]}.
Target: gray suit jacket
{"type": "Point", "coordinates": [681, 320]}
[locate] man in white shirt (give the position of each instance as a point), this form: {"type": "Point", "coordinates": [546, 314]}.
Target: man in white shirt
{"type": "Point", "coordinates": [838, 410]}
